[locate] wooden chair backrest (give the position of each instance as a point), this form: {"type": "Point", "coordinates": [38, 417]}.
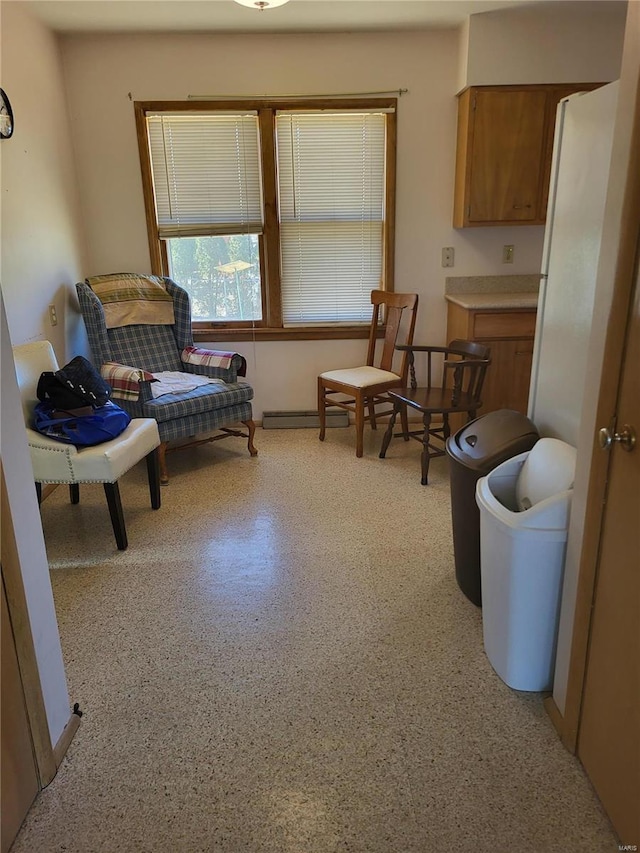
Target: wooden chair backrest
{"type": "Point", "coordinates": [393, 304]}
{"type": "Point", "coordinates": [462, 366]}
{"type": "Point", "coordinates": [468, 379]}
{"type": "Point", "coordinates": [31, 360]}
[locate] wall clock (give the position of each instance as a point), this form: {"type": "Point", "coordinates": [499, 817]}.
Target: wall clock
{"type": "Point", "coordinates": [6, 116]}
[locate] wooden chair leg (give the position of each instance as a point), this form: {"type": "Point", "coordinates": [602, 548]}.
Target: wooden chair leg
{"type": "Point", "coordinates": [404, 420]}
{"type": "Point", "coordinates": [321, 409]}
{"type": "Point", "coordinates": [446, 429]}
{"type": "Point", "coordinates": [153, 474]}
{"type": "Point", "coordinates": [426, 458]}
{"type": "Point", "coordinates": [74, 493]}
{"type": "Point", "coordinates": [112, 492]}
{"type": "Point", "coordinates": [251, 428]}
{"type": "Point", "coordinates": [359, 425]}
{"type": "Point", "coordinates": [162, 462]}
{"type": "Point", "coordinates": [372, 415]}
{"type": "Point", "coordinates": [389, 433]}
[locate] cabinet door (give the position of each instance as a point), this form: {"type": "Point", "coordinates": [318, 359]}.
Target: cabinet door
{"type": "Point", "coordinates": [508, 376]}
{"type": "Point", "coordinates": [507, 154]}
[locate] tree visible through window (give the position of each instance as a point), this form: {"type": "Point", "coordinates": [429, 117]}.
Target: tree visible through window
{"type": "Point", "coordinates": [221, 274]}
{"type": "Point", "coordinates": [272, 216]}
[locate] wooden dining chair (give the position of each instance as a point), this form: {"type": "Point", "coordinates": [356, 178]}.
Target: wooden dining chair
{"type": "Point", "coordinates": [464, 366]}
{"type": "Point", "coordinates": [366, 386]}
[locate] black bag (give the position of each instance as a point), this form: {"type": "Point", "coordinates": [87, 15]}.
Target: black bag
{"type": "Point", "coordinates": [75, 385]}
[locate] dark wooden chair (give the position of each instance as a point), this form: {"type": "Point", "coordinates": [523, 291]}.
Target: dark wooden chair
{"type": "Point", "coordinates": [366, 386]}
{"type": "Point", "coordinates": [464, 368]}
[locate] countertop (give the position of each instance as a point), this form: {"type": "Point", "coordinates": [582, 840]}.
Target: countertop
{"type": "Point", "coordinates": [494, 301]}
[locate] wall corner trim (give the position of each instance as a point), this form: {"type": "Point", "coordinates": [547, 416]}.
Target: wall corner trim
{"type": "Point", "coordinates": [64, 741]}
{"type": "Point", "coordinates": [554, 715]}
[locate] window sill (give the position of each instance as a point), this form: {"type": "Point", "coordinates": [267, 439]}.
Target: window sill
{"type": "Point", "coordinates": [310, 333]}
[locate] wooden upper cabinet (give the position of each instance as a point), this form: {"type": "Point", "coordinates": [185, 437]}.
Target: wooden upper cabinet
{"type": "Point", "coordinates": [504, 150]}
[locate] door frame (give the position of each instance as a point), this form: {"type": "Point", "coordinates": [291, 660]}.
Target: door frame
{"type": "Point", "coordinates": [626, 255]}
{"type": "Point", "coordinates": [47, 755]}
{"type": "Point", "coordinates": [25, 649]}
{"type": "Point", "coordinates": [20, 780]}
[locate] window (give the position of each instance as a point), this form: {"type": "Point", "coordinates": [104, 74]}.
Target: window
{"type": "Point", "coordinates": [276, 218]}
{"type": "Point", "coordinates": [221, 275]}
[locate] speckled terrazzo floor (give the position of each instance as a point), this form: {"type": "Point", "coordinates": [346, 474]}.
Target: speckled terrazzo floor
{"type": "Point", "coordinates": [282, 661]}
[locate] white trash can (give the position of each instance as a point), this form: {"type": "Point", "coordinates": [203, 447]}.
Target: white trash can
{"type": "Point", "coordinates": [524, 517]}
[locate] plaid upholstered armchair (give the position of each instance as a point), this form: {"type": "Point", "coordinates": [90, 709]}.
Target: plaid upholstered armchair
{"type": "Point", "coordinates": [139, 330]}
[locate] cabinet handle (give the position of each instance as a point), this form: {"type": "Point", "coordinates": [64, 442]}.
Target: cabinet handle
{"type": "Point", "coordinates": [521, 206]}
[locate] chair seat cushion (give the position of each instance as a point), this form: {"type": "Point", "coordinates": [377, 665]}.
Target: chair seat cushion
{"type": "Point", "coordinates": [206, 398]}
{"type": "Point", "coordinates": [107, 462]}
{"type": "Point", "coordinates": [55, 462]}
{"type": "Point", "coordinates": [361, 377]}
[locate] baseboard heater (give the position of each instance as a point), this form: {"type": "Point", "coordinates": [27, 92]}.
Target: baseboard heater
{"type": "Point", "coordinates": [299, 420]}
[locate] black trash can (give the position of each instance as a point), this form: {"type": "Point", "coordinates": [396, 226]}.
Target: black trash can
{"type": "Point", "coordinates": [473, 452]}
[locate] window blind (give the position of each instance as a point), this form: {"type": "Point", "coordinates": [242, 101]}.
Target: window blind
{"type": "Point", "coordinates": [331, 176]}
{"type": "Point", "coordinates": [206, 174]}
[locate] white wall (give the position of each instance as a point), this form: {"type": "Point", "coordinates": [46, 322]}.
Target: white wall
{"type": "Point", "coordinates": [104, 74]}
{"type": "Point", "coordinates": [30, 544]}
{"type": "Point", "coordinates": [41, 259]}
{"type": "Point", "coordinates": [560, 42]}
{"type": "Point", "coordinates": [42, 253]}
{"type": "Point", "coordinates": [463, 53]}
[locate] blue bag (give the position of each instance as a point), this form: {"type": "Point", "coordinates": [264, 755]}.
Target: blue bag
{"type": "Point", "coordinates": [84, 430]}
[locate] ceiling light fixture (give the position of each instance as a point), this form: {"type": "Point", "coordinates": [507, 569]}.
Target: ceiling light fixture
{"type": "Point", "coordinates": [262, 4]}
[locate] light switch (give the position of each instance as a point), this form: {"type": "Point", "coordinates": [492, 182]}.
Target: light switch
{"type": "Point", "coordinates": [507, 254]}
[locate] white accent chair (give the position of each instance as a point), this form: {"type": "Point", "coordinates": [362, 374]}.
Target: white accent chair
{"type": "Point", "coordinates": [56, 462]}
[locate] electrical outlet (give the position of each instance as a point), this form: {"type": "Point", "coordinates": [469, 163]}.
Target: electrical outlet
{"type": "Point", "coordinates": [507, 254]}
{"type": "Point", "coordinates": [448, 256]}
{"type": "Point", "coordinates": [53, 317]}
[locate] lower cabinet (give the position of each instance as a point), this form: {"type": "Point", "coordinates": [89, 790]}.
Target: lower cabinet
{"type": "Point", "coordinates": [510, 334]}
{"type": "Point", "coordinates": [507, 382]}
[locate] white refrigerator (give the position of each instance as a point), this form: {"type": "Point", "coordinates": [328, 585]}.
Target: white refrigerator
{"type": "Point", "coordinates": [572, 311]}
{"type": "Point", "coordinates": [577, 195]}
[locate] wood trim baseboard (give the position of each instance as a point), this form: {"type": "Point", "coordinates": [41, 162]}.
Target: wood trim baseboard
{"type": "Point", "coordinates": [554, 714]}
{"type": "Point", "coordinates": [61, 747]}
{"type": "Point", "coordinates": [47, 490]}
